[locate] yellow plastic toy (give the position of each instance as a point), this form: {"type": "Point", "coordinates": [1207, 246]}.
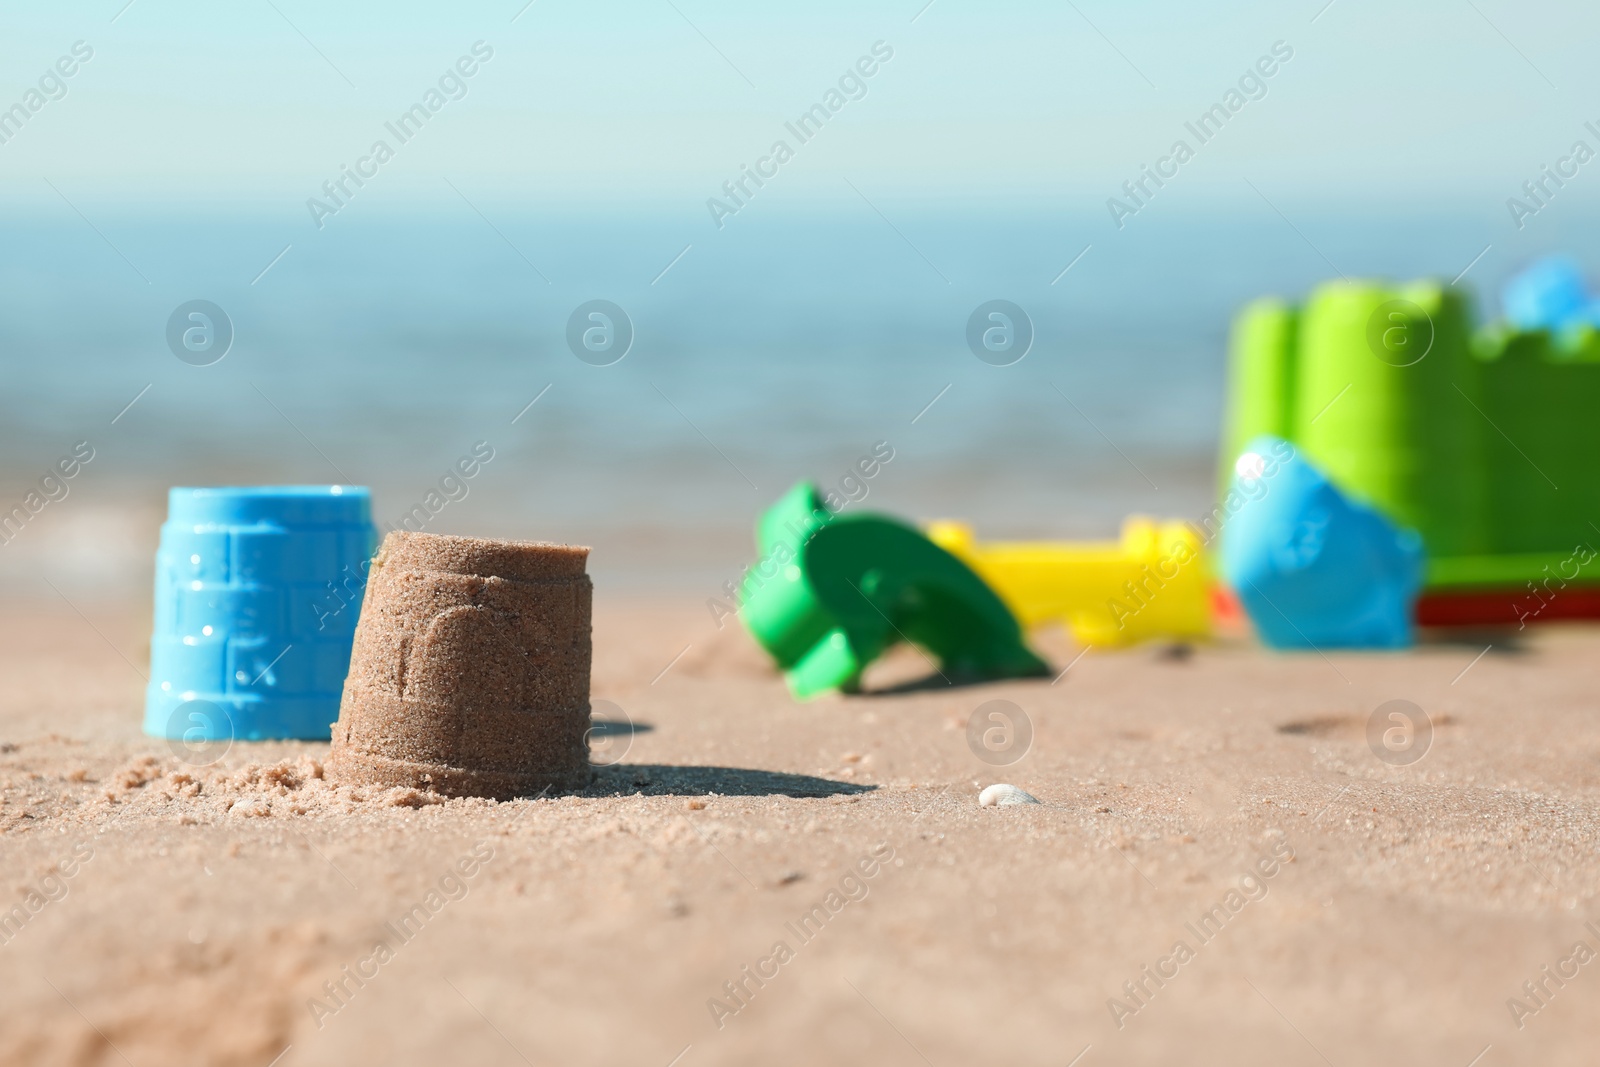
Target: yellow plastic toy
{"type": "Point", "coordinates": [1153, 583]}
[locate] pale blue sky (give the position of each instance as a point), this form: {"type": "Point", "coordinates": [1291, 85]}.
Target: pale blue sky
{"type": "Point", "coordinates": [1382, 104]}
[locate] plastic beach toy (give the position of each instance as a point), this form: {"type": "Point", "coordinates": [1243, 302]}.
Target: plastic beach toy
{"type": "Point", "coordinates": [1153, 583]}
{"type": "Point", "coordinates": [832, 592]}
{"type": "Point", "coordinates": [1313, 568]}
{"type": "Point", "coordinates": [1481, 439]}
{"type": "Point", "coordinates": [1549, 294]}
{"type": "Point", "coordinates": [256, 598]}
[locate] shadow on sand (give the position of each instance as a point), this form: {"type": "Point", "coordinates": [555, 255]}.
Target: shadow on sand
{"type": "Point", "coordinates": [948, 681]}
{"type": "Point", "coordinates": [617, 728]}
{"type": "Point", "coordinates": [656, 779]}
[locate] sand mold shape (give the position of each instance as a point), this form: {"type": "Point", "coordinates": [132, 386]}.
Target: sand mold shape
{"type": "Point", "coordinates": [470, 673]}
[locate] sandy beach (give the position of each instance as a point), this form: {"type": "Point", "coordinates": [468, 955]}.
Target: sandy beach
{"type": "Point", "coordinates": [763, 881]}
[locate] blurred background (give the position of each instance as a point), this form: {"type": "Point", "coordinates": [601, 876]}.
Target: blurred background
{"type": "Point", "coordinates": [378, 344]}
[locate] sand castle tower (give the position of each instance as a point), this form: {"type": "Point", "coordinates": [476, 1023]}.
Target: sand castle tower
{"type": "Point", "coordinates": [470, 673]}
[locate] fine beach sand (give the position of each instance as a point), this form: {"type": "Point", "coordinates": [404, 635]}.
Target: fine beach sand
{"type": "Point", "coordinates": [217, 901]}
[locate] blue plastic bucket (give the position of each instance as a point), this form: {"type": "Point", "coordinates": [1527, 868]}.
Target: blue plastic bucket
{"type": "Point", "coordinates": [256, 596]}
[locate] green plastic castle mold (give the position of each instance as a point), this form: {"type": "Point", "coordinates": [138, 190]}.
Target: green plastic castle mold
{"type": "Point", "coordinates": [1485, 443]}
{"type": "Point", "coordinates": [830, 593]}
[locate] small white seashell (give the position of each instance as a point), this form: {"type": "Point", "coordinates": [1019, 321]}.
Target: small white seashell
{"type": "Point", "coordinates": [1002, 795]}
